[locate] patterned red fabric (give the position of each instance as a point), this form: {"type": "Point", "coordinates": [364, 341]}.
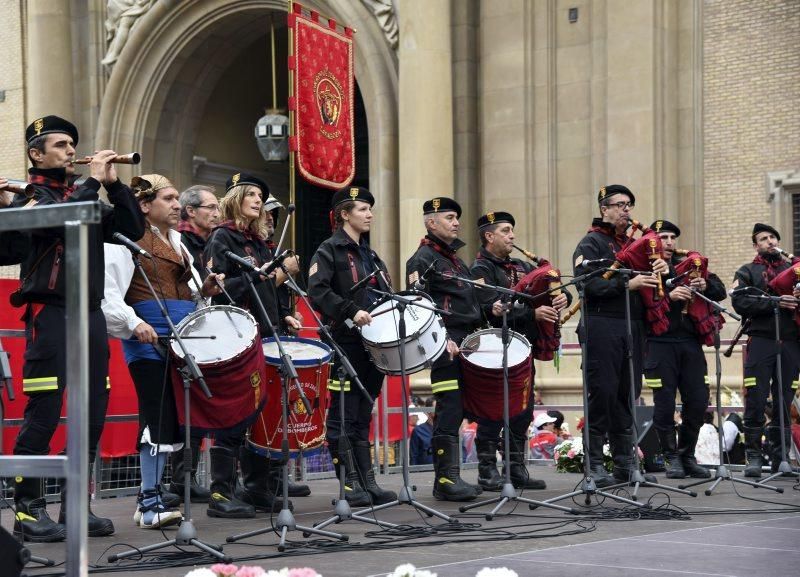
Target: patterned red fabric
{"type": "Point", "coordinates": [784, 283]}
{"type": "Point", "coordinates": [637, 255]}
{"type": "Point", "coordinates": [695, 265]}
{"type": "Point", "coordinates": [322, 100]}
{"type": "Point", "coordinates": [536, 282]}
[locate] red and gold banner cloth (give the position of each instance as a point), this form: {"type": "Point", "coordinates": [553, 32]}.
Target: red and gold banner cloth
{"type": "Point", "coordinates": [322, 99]}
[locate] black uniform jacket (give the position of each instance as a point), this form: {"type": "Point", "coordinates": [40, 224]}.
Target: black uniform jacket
{"type": "Point", "coordinates": [450, 294]}
{"type": "Point", "coordinates": [225, 239]}
{"type": "Point", "coordinates": [760, 313]}
{"type": "Point", "coordinates": [605, 298]}
{"type": "Point", "coordinates": [681, 326]}
{"type": "Point", "coordinates": [196, 245]}
{"type": "Point", "coordinates": [46, 256]}
{"type": "Point", "coordinates": [338, 264]}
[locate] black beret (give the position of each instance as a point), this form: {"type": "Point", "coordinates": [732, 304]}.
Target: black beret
{"type": "Point", "coordinates": [611, 190]}
{"type": "Point", "coordinates": [665, 226]}
{"type": "Point", "coordinates": [240, 178]}
{"type": "Point", "coordinates": [495, 218]}
{"type": "Point", "coordinates": [349, 193]}
{"type": "Point", "coordinates": [51, 125]}
{"type": "Point", "coordinates": [760, 227]}
{"type": "Point", "coordinates": [441, 204]}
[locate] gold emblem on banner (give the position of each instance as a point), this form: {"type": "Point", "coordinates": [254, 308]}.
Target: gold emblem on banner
{"type": "Point", "coordinates": [38, 125]}
{"type": "Point", "coordinates": [255, 379]}
{"type": "Point", "coordinates": [328, 93]}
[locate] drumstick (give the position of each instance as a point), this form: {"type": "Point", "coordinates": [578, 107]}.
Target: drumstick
{"type": "Point", "coordinates": [230, 298]}
{"type": "Point", "coordinates": [168, 338]}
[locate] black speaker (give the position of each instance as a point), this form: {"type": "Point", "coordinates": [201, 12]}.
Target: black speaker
{"type": "Point", "coordinates": [647, 436]}
{"type": "Point", "coordinates": [13, 556]}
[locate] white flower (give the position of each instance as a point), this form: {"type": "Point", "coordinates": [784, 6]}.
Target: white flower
{"type": "Point", "coordinates": [201, 572]}
{"type": "Point", "coordinates": [277, 573]}
{"type": "Point", "coordinates": [496, 572]}
{"type": "Point", "coordinates": [405, 570]}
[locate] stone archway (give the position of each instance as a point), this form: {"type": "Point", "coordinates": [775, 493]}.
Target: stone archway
{"type": "Point", "coordinates": [157, 93]}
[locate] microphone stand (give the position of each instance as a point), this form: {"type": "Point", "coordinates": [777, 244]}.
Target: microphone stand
{"type": "Point", "coordinates": [286, 521]}
{"type": "Point", "coordinates": [588, 487]}
{"type": "Point", "coordinates": [406, 493]}
{"type": "Point", "coordinates": [190, 372]}
{"type": "Point", "coordinates": [721, 473]}
{"type": "Point", "coordinates": [784, 469]}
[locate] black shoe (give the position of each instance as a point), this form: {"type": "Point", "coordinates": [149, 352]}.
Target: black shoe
{"type": "Point", "coordinates": [32, 522]}
{"type": "Point", "coordinates": [257, 473]}
{"type": "Point", "coordinates": [597, 469]}
{"type": "Point", "coordinates": [669, 448]}
{"type": "Point", "coordinates": [520, 478]}
{"type": "Point", "coordinates": [752, 447]}
{"type": "Point", "coordinates": [170, 499]}
{"type": "Point", "coordinates": [98, 526]}
{"type": "Point", "coordinates": [354, 492]}
{"type": "Point", "coordinates": [223, 503]}
{"type": "Point", "coordinates": [197, 493]}
{"type": "Point", "coordinates": [489, 478]}
{"type": "Point", "coordinates": [449, 486]}
{"type": "Point", "coordinates": [362, 451]}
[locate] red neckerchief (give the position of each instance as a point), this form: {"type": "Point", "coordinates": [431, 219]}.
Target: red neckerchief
{"type": "Point", "coordinates": [609, 230]}
{"type": "Point", "coordinates": [64, 186]}
{"type": "Point", "coordinates": [444, 251]}
{"type": "Point", "coordinates": [512, 270]}
{"type": "Point", "coordinates": [771, 267]}
{"type": "Point", "coordinates": [248, 234]}
{"type": "Point", "coordinates": [186, 226]}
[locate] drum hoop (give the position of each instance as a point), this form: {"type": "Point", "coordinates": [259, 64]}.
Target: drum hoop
{"type": "Point", "coordinates": [276, 361]}
{"type": "Point", "coordinates": [409, 337]}
{"type": "Point", "coordinates": [205, 310]}
{"type": "Point", "coordinates": [494, 330]}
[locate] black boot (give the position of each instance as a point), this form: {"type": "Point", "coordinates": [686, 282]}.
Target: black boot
{"type": "Point", "coordinates": [354, 492]}
{"type": "Point", "coordinates": [98, 526]}
{"type": "Point", "coordinates": [519, 472]}
{"type": "Point", "coordinates": [276, 484]}
{"type": "Point", "coordinates": [488, 476]}
{"type": "Point", "coordinates": [687, 441]}
{"type": "Point", "coordinates": [363, 455]}
{"type": "Point", "coordinates": [622, 453]}
{"type": "Point", "coordinates": [669, 448]}
{"type": "Point", "coordinates": [752, 449]}
{"type": "Point", "coordinates": [597, 467]}
{"type": "Point", "coordinates": [197, 493]}
{"type": "Point", "coordinates": [448, 485]}
{"type": "Point", "coordinates": [223, 501]}
{"type": "Point", "coordinates": [31, 522]}
{"type": "Point", "coordinates": [255, 488]}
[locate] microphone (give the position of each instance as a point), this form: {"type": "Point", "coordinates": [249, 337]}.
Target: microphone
{"type": "Point", "coordinates": [588, 262]}
{"type": "Point", "coordinates": [130, 245]}
{"type": "Point", "coordinates": [674, 280]}
{"type": "Point", "coordinates": [420, 284]}
{"type": "Point", "coordinates": [242, 262]}
{"type": "Point", "coordinates": [740, 290]}
{"type": "Point", "coordinates": [290, 209]}
{"type": "Point", "coordinates": [363, 281]}
{"type": "Point", "coordinates": [276, 262]}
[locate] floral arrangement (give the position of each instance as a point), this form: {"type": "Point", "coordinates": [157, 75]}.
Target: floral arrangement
{"type": "Point", "coordinates": [408, 570]}
{"type": "Point", "coordinates": [568, 456]}
{"type": "Point", "coordinates": [227, 570]}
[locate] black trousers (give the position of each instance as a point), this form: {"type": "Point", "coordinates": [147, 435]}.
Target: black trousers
{"type": "Point", "coordinates": [157, 409]}
{"type": "Point", "coordinates": [44, 378]}
{"type": "Point", "coordinates": [357, 409]}
{"type": "Point", "coordinates": [446, 383]}
{"type": "Point", "coordinates": [761, 378]}
{"type": "Point", "coordinates": [608, 374]}
{"type": "Point", "coordinates": [675, 366]}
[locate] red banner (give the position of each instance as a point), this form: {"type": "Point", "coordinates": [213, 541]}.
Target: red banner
{"type": "Point", "coordinates": [322, 100]}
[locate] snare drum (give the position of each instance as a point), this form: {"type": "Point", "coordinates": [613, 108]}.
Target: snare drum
{"type": "Point", "coordinates": [425, 340]}
{"type": "Point", "coordinates": [311, 358]}
{"type": "Point", "coordinates": [232, 365]}
{"type": "Point", "coordinates": [482, 369]}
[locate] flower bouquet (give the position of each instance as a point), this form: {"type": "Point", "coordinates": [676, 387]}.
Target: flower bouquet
{"type": "Point", "coordinates": [568, 456]}
{"type": "Point", "coordinates": [228, 570]}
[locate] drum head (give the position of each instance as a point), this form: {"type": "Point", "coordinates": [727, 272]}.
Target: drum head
{"type": "Point", "coordinates": [485, 349]}
{"type": "Point", "coordinates": [304, 352]}
{"type": "Point", "coordinates": [385, 318]}
{"type": "Point", "coordinates": [234, 329]}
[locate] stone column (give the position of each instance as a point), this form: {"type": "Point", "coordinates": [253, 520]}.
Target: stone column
{"type": "Point", "coordinates": [49, 70]}
{"type": "Point", "coordinates": [425, 114]}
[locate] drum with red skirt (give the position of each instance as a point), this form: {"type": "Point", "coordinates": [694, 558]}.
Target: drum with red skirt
{"type": "Point", "coordinates": [306, 429]}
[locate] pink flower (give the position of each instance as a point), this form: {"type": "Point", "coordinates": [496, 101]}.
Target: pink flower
{"type": "Point", "coordinates": [302, 572]}
{"type": "Point", "coordinates": [224, 570]}
{"type": "Point", "coordinates": [249, 571]}
{"type": "Point", "coordinates": [571, 453]}
{"type": "Point", "coordinates": [557, 456]}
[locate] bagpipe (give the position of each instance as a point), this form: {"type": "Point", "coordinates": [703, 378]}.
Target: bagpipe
{"type": "Point", "coordinates": [695, 265]}
{"type": "Point", "coordinates": [541, 279]}
{"type": "Point", "coordinates": [786, 281]}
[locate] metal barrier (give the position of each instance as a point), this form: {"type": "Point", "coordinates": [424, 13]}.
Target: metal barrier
{"type": "Point", "coordinates": [75, 217]}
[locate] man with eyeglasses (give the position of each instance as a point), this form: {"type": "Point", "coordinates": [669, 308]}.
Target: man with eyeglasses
{"type": "Point", "coordinates": [608, 376]}
{"type": "Point", "coordinates": [199, 215]}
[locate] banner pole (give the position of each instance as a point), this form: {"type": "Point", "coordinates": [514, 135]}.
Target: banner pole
{"type": "Point", "coordinates": [291, 127]}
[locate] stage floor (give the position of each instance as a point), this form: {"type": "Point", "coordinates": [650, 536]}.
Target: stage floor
{"type": "Point", "coordinates": [754, 532]}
